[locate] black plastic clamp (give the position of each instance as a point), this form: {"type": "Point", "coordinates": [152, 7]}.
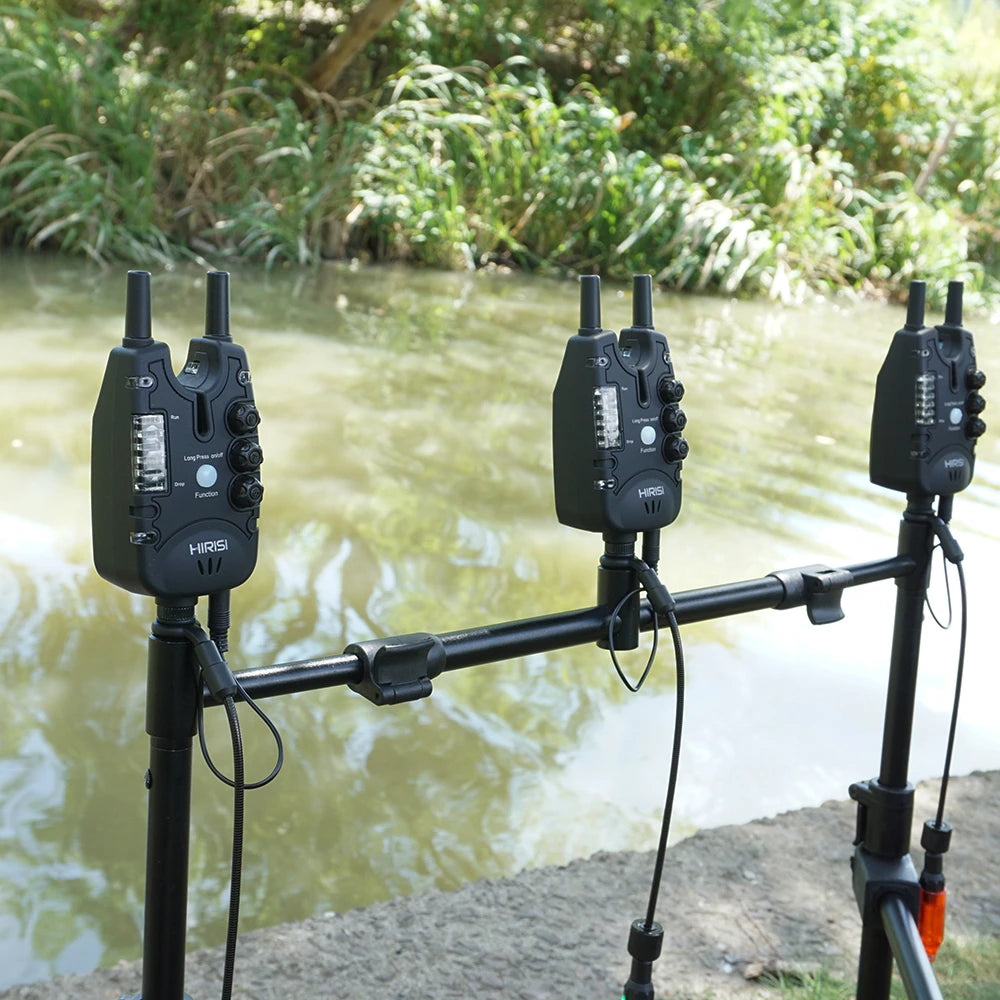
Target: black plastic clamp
{"type": "Point", "coordinates": [818, 587]}
{"type": "Point", "coordinates": [881, 862]}
{"type": "Point", "coordinates": [399, 668]}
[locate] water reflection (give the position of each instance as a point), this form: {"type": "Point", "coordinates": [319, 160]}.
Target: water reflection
{"type": "Point", "coordinates": [406, 435]}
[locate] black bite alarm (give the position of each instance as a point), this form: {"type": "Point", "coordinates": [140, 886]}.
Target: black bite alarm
{"type": "Point", "coordinates": [617, 446]}
{"type": "Point", "coordinates": [926, 418]}
{"type": "Point", "coordinates": [175, 459]}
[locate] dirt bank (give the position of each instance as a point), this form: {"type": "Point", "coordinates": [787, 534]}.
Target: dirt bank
{"type": "Point", "coordinates": [773, 894]}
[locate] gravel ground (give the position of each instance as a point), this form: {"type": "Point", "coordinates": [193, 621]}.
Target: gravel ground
{"type": "Point", "coordinates": [738, 901]}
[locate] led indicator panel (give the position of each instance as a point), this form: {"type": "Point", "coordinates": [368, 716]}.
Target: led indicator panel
{"type": "Point", "coordinates": [924, 399]}
{"type": "Point", "coordinates": [607, 419]}
{"type": "Point", "coordinates": [149, 453]}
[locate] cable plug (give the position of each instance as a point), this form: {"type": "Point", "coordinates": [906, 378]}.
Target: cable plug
{"type": "Point", "coordinates": [951, 549]}
{"type": "Point", "coordinates": [214, 668]}
{"type": "Point", "coordinates": [645, 941]}
{"type": "Point", "coordinates": [935, 840]}
{"type": "Point", "coordinates": [661, 599]}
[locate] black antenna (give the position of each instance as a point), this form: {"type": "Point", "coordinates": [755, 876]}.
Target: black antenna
{"type": "Point", "coordinates": [590, 304]}
{"type": "Point", "coordinates": [138, 311]}
{"type": "Point", "coordinates": [953, 306]}
{"type": "Point", "coordinates": [642, 300]}
{"type": "Point", "coordinates": [217, 306]}
{"type": "Point", "coordinates": [915, 306]}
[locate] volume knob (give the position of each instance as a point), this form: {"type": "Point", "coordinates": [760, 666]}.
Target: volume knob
{"type": "Point", "coordinates": [671, 390]}
{"type": "Point", "coordinates": [245, 455]}
{"type": "Point", "coordinates": [242, 417]}
{"type": "Point", "coordinates": [245, 492]}
{"type": "Point", "coordinates": [675, 448]}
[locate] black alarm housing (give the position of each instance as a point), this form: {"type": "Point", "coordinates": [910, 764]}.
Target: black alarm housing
{"type": "Point", "coordinates": [175, 459]}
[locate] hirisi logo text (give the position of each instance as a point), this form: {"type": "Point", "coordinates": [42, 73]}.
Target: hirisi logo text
{"type": "Point", "coordinates": [204, 548]}
{"type": "Point", "coordinates": [954, 463]}
{"type": "Point", "coordinates": [651, 491]}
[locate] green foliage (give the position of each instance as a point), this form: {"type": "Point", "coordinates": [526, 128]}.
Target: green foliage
{"type": "Point", "coordinates": [77, 149]}
{"type": "Point", "coordinates": [771, 147]}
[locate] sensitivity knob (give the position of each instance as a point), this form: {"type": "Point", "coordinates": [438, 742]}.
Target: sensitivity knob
{"type": "Point", "coordinates": [245, 455]}
{"type": "Point", "coordinates": [975, 403]}
{"type": "Point", "coordinates": [671, 390]}
{"type": "Point", "coordinates": [974, 428]}
{"type": "Point", "coordinates": [245, 492]}
{"type": "Point", "coordinates": [673, 418]}
{"type": "Point", "coordinates": [974, 378]}
{"type": "Point", "coordinates": [242, 417]}
{"type": "Point", "coordinates": [675, 448]}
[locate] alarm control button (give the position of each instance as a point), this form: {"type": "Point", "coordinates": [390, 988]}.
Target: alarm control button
{"type": "Point", "coordinates": [242, 417]}
{"type": "Point", "coordinates": [675, 448]}
{"type": "Point", "coordinates": [974, 378]}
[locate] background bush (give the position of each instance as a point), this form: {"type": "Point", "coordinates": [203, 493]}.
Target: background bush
{"type": "Point", "coordinates": [743, 147]}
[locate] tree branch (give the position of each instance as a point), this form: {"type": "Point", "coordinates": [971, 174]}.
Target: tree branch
{"type": "Point", "coordinates": [360, 30]}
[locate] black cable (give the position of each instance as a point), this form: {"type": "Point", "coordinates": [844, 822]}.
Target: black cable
{"type": "Point", "coordinates": [943, 625]}
{"type": "Point", "coordinates": [216, 673]}
{"type": "Point", "coordinates": [236, 870]}
{"type": "Point", "coordinates": [663, 606]}
{"type": "Point", "coordinates": [675, 756]}
{"type": "Point", "coordinates": [952, 554]}
{"type": "Point", "coordinates": [959, 673]}
{"type": "Point", "coordinates": [634, 688]}
{"type": "Point", "coordinates": [279, 762]}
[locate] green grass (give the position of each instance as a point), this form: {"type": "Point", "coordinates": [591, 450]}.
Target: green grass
{"type": "Point", "coordinates": [967, 969]}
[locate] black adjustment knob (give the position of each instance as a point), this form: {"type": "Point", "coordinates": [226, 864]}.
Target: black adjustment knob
{"type": "Point", "coordinates": [975, 403]}
{"type": "Point", "coordinates": [975, 379]}
{"type": "Point", "coordinates": [245, 455]}
{"type": "Point", "coordinates": [673, 418]}
{"type": "Point", "coordinates": [671, 390]}
{"type": "Point", "coordinates": [974, 428]}
{"type": "Point", "coordinates": [245, 492]}
{"type": "Point", "coordinates": [675, 448]}
{"type": "Point", "coordinates": [242, 417]}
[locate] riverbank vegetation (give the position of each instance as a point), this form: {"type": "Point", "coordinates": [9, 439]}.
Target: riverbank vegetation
{"type": "Point", "coordinates": [740, 147]}
{"type": "Point", "coordinates": [966, 970]}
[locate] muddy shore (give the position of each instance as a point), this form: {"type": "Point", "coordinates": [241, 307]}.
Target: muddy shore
{"type": "Point", "coordinates": [737, 902]}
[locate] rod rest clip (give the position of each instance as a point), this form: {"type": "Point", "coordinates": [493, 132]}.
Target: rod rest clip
{"type": "Point", "coordinates": [398, 668]}
{"type": "Point", "coordinates": [818, 587]}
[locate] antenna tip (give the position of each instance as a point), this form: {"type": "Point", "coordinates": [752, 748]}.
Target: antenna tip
{"type": "Point", "coordinates": [953, 304]}
{"type": "Point", "coordinates": [915, 305]}
{"type": "Point", "coordinates": [217, 305]}
{"type": "Point", "coordinates": [590, 302]}
{"type": "Point", "coordinates": [642, 300]}
{"type": "Point", "coordinates": [138, 309]}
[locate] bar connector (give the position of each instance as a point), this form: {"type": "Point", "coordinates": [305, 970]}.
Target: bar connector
{"type": "Point", "coordinates": [819, 588]}
{"type": "Point", "coordinates": [399, 668]}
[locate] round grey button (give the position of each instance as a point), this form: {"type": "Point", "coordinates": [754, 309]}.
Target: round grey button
{"type": "Point", "coordinates": [647, 434]}
{"type": "Point", "coordinates": [956, 415]}
{"type": "Point", "coordinates": [206, 475]}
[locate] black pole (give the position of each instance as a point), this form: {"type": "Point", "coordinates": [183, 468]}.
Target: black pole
{"type": "Point", "coordinates": [884, 876]}
{"type": "Point", "coordinates": [171, 704]}
{"type": "Point", "coordinates": [916, 539]}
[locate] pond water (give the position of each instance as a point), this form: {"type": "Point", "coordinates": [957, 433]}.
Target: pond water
{"type": "Point", "coordinates": [406, 431]}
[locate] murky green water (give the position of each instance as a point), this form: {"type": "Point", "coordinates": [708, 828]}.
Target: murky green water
{"type": "Point", "coordinates": [408, 475]}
